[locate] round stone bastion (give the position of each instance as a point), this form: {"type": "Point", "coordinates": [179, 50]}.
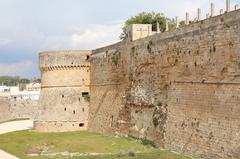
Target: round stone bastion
{"type": "Point", "coordinates": [64, 97]}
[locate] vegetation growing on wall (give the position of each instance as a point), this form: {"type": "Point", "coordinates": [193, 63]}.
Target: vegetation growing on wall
{"type": "Point", "coordinates": [149, 46]}
{"type": "Point", "coordinates": [87, 97]}
{"type": "Point", "coordinates": [114, 58]}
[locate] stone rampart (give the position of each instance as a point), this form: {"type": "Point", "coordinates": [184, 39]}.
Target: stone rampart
{"type": "Point", "coordinates": [12, 109]}
{"type": "Point", "coordinates": [5, 113]}
{"type": "Point", "coordinates": [179, 89]}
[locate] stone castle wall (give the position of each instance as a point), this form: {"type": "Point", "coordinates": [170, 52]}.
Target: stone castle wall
{"type": "Point", "coordinates": [5, 113]}
{"type": "Point", "coordinates": [17, 109]}
{"type": "Point", "coordinates": [65, 90]}
{"type": "Point", "coordinates": [179, 89]}
{"type": "Point", "coordinates": [108, 84]}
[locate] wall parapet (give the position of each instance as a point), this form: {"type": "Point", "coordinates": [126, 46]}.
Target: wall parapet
{"type": "Point", "coordinates": [65, 67]}
{"type": "Point", "coordinates": [61, 59]}
{"type": "Point", "coordinates": [192, 28]}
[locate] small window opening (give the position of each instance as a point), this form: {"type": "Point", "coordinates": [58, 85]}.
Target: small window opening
{"type": "Point", "coordinates": [111, 121]}
{"type": "Point", "coordinates": [81, 125]}
{"type": "Point", "coordinates": [82, 109]}
{"type": "Point", "coordinates": [79, 99]}
{"type": "Point", "coordinates": [62, 96]}
{"type": "Point", "coordinates": [214, 48]}
{"type": "Point", "coordinates": [74, 112]}
{"type": "Point", "coordinates": [87, 57]}
{"type": "Point", "coordinates": [65, 109]}
{"type": "Point", "coordinates": [84, 94]}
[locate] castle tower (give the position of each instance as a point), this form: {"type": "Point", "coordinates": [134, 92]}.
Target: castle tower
{"type": "Point", "coordinates": [64, 98]}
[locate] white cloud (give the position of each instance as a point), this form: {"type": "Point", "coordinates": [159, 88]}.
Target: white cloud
{"type": "Point", "coordinates": [95, 36]}
{"type": "Point", "coordinates": [4, 41]}
{"type": "Point", "coordinates": [24, 68]}
{"type": "Point", "coordinates": [75, 38]}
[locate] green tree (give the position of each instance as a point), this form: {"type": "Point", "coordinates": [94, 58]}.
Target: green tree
{"type": "Point", "coordinates": [24, 81]}
{"type": "Point", "coordinates": [38, 80]}
{"type": "Point", "coordinates": [14, 80]}
{"type": "Point", "coordinates": [148, 18]}
{"type": "Point", "coordinates": [9, 80]}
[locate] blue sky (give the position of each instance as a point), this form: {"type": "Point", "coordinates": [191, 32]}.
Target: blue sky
{"type": "Point", "coordinates": [30, 26]}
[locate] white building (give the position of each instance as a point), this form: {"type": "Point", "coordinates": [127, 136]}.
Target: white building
{"type": "Point", "coordinates": [14, 90]}
{"type": "Point", "coordinates": [33, 87]}
{"type": "Point", "coordinates": [32, 93]}
{"type": "Point", "coordinates": [4, 89]}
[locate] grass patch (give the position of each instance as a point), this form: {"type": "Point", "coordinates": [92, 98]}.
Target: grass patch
{"type": "Point", "coordinates": [22, 143]}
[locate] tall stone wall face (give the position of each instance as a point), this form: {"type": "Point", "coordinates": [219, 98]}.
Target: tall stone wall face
{"type": "Point", "coordinates": [109, 79]}
{"type": "Point", "coordinates": [21, 108]}
{"type": "Point", "coordinates": [179, 89]}
{"type": "Point", "coordinates": [5, 113]}
{"type": "Point", "coordinates": [206, 120]}
{"type": "Point", "coordinates": [64, 98]}
{"type": "Point", "coordinates": [11, 108]}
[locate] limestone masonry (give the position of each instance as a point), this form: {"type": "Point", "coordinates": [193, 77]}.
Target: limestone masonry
{"type": "Point", "coordinates": [179, 89]}
{"type": "Point", "coordinates": [64, 96]}
{"type": "Point", "coordinates": [12, 108]}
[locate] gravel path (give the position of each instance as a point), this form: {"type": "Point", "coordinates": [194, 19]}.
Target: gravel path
{"type": "Point", "coordinates": [11, 127]}
{"type": "Point", "coordinates": [5, 155]}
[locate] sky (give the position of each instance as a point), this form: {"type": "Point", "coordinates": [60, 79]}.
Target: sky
{"type": "Point", "coordinates": [28, 27]}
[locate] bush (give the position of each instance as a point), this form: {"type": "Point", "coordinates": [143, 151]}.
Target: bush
{"type": "Point", "coordinates": [131, 153]}
{"type": "Point", "coordinates": [120, 153]}
{"type": "Point", "coordinates": [147, 142]}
